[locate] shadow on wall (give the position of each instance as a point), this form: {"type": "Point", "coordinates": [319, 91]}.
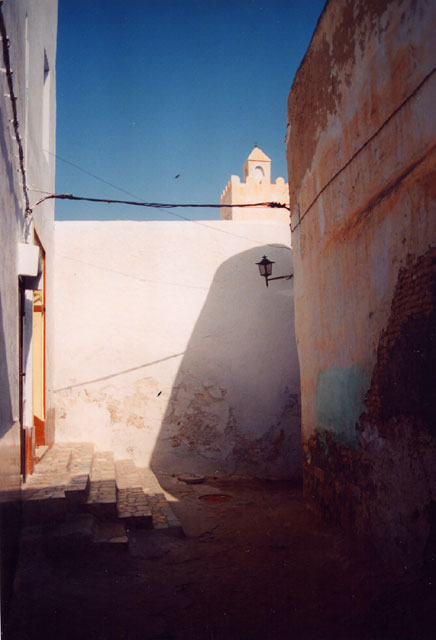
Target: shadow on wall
{"type": "Point", "coordinates": [9, 481]}
{"type": "Point", "coordinates": [235, 403]}
{"type": "Point", "coordinates": [8, 168]}
{"type": "Point", "coordinates": [6, 416]}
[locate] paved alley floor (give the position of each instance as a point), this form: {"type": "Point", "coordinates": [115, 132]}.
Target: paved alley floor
{"type": "Point", "coordinates": [254, 565]}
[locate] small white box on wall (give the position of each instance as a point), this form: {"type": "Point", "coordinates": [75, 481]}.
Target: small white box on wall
{"type": "Point", "coordinates": [27, 259]}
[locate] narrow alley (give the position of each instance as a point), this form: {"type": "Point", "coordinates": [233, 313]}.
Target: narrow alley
{"type": "Point", "coordinates": [220, 427]}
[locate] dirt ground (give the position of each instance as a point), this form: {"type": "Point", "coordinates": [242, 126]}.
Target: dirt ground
{"type": "Point", "coordinates": [258, 566]}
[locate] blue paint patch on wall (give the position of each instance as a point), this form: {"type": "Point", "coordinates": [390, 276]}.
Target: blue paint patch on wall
{"type": "Point", "coordinates": [340, 401]}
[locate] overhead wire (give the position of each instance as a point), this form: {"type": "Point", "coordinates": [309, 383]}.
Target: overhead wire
{"type": "Point", "coordinates": [156, 205]}
{"type": "Point", "coordinates": [362, 147]}
{"type": "Point", "coordinates": [29, 209]}
{"type": "Point", "coordinates": [89, 173]}
{"type": "Point", "coordinates": [161, 206]}
{"type": "Point", "coordinates": [48, 196]}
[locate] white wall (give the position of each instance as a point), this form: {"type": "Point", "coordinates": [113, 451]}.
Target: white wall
{"type": "Point", "coordinates": [41, 30]}
{"type": "Point", "coordinates": [171, 350]}
{"type": "Point", "coordinates": [41, 23]}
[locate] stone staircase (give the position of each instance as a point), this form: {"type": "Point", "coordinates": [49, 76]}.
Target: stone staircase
{"type": "Point", "coordinates": [82, 496]}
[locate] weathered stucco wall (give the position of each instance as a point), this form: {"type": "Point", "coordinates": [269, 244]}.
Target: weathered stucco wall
{"type": "Point", "coordinates": [28, 80]}
{"type": "Point", "coordinates": [171, 350]}
{"type": "Point", "coordinates": [361, 157]}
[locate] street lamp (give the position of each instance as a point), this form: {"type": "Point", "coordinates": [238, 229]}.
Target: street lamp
{"type": "Point", "coordinates": [265, 269]}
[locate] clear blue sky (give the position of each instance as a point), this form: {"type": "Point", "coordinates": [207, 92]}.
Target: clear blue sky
{"type": "Point", "coordinates": [148, 89]}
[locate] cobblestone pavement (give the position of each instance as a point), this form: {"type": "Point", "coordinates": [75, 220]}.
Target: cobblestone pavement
{"type": "Point", "coordinates": [62, 474]}
{"type": "Point", "coordinates": [70, 475]}
{"type": "Point", "coordinates": [102, 497]}
{"type": "Point", "coordinates": [164, 518]}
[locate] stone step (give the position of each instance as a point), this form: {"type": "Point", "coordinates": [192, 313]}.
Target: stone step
{"type": "Point", "coordinates": [127, 475]}
{"type": "Point", "coordinates": [134, 509]}
{"type": "Point", "coordinates": [102, 493]}
{"type": "Point", "coordinates": [72, 474]}
{"type": "Point", "coordinates": [43, 494]}
{"type": "Point", "coordinates": [110, 535]}
{"type": "Point", "coordinates": [163, 517]}
{"type": "Point", "coordinates": [44, 505]}
{"type": "Point", "coordinates": [53, 469]}
{"type": "Point", "coordinates": [141, 500]}
{"type": "Point", "coordinates": [73, 534]}
{"type": "Point", "coordinates": [78, 533]}
{"type": "Point", "coordinates": [132, 503]}
{"type": "Point", "coordinates": [76, 491]}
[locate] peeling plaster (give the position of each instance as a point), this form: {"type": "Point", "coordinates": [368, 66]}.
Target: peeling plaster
{"type": "Point", "coordinates": [361, 159]}
{"type": "Point", "coordinates": [209, 425]}
{"type": "Point", "coordinates": [340, 401]}
{"type": "Point", "coordinates": [174, 376]}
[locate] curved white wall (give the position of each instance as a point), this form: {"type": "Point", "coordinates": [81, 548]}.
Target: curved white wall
{"type": "Point", "coordinates": [171, 350]}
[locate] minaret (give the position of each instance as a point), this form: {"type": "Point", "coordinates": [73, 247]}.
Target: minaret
{"type": "Point", "coordinates": [258, 166]}
{"type": "Point", "coordinates": [256, 187]}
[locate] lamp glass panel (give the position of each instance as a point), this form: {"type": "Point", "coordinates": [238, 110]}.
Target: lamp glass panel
{"type": "Point", "coordinates": [265, 266]}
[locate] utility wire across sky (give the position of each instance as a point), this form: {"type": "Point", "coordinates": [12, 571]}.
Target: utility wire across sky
{"type": "Point", "coordinates": [49, 196]}
{"type": "Point", "coordinates": [139, 202]}
{"type": "Point", "coordinates": [165, 207]}
{"type": "Point", "coordinates": [155, 205]}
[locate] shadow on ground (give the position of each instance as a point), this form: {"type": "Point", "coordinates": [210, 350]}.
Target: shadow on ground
{"type": "Point", "coordinates": [256, 567]}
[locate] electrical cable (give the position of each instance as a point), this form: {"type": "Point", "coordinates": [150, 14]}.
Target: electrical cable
{"type": "Point", "coordinates": [48, 196]}
{"type": "Point", "coordinates": [155, 205]}
{"type": "Point", "coordinates": [93, 175]}
{"type": "Point", "coordinates": [163, 207]}
{"type": "Point", "coordinates": [364, 145]}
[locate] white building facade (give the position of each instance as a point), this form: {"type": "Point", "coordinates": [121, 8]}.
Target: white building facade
{"type": "Point", "coordinates": [171, 351]}
{"type": "Point", "coordinates": [27, 142]}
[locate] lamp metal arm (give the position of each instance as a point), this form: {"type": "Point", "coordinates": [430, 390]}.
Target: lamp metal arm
{"type": "Point", "coordinates": [267, 278]}
{"type": "Point", "coordinates": [281, 277]}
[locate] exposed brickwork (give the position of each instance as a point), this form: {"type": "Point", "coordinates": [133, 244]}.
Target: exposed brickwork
{"type": "Point", "coordinates": [403, 380]}
{"type": "Point", "coordinates": [361, 159]}
{"type": "Point", "coordinates": [336, 480]}
{"type": "Point", "coordinates": [385, 490]}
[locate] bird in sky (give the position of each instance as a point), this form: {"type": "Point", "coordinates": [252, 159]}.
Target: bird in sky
{"type": "Point", "coordinates": [177, 176]}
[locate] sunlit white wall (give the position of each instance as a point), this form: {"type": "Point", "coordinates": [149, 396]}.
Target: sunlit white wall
{"type": "Point", "coordinates": [170, 349]}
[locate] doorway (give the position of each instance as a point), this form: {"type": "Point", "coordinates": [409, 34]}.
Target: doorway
{"type": "Point", "coordinates": [32, 363]}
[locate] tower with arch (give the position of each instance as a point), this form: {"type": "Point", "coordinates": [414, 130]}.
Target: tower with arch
{"type": "Point", "coordinates": [256, 187]}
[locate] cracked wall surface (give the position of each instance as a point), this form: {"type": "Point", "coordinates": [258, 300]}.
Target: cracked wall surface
{"type": "Point", "coordinates": [170, 349]}
{"type": "Point", "coordinates": [361, 157]}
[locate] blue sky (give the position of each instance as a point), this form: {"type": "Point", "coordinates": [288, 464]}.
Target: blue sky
{"type": "Point", "coordinates": [148, 89]}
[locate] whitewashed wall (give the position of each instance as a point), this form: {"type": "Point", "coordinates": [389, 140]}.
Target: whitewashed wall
{"type": "Point", "coordinates": [32, 107]}
{"type": "Point", "coordinates": [171, 350]}
{"type": "Point", "coordinates": [30, 26]}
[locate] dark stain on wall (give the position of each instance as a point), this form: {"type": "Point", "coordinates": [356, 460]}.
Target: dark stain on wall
{"type": "Point", "coordinates": [403, 379]}
{"type": "Point", "coordinates": [385, 491]}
